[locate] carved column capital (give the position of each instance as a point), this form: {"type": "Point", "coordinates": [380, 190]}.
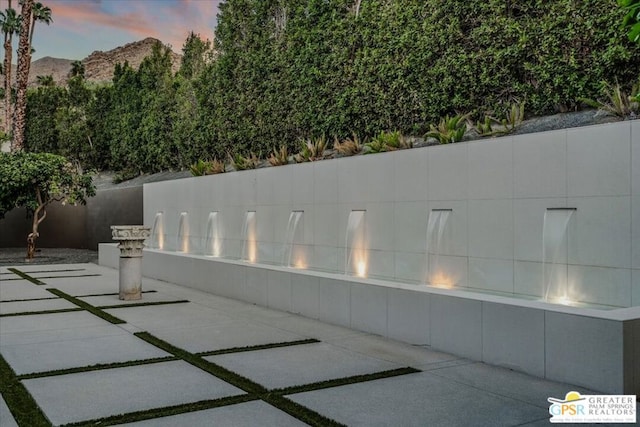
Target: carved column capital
{"type": "Point", "coordinates": [130, 239]}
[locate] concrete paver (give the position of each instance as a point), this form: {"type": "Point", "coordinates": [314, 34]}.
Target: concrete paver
{"type": "Point", "coordinates": [516, 385]}
{"type": "Point", "coordinates": [248, 414]}
{"type": "Point", "coordinates": [223, 336]}
{"type": "Point", "coordinates": [59, 335]}
{"type": "Point", "coordinates": [313, 328]}
{"type": "Point", "coordinates": [50, 356]}
{"type": "Point", "coordinates": [76, 286]}
{"type": "Point", "coordinates": [169, 316]}
{"type": "Point", "coordinates": [49, 322]}
{"type": "Point", "coordinates": [21, 289]}
{"type": "Point", "coordinates": [38, 305]}
{"type": "Point", "coordinates": [6, 419]}
{"type": "Point", "coordinates": [108, 300]}
{"type": "Point", "coordinates": [34, 268]}
{"type": "Point", "coordinates": [419, 400]}
{"type": "Point", "coordinates": [298, 365]}
{"type": "Point", "coordinates": [387, 349]}
{"type": "Point", "coordinates": [451, 391]}
{"type": "Point", "coordinates": [90, 395]}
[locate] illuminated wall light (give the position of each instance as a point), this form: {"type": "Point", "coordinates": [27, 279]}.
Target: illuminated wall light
{"type": "Point", "coordinates": [253, 250]}
{"type": "Point", "coordinates": [161, 240]}
{"type": "Point", "coordinates": [361, 269]}
{"type": "Point", "coordinates": [564, 301]}
{"type": "Point", "coordinates": [440, 280]}
{"type": "Point", "coordinates": [300, 263]}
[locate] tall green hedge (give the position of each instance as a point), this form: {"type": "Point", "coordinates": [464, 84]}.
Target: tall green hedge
{"type": "Point", "coordinates": [290, 69]}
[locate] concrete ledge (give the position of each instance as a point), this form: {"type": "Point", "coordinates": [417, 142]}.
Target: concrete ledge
{"type": "Point", "coordinates": [598, 349]}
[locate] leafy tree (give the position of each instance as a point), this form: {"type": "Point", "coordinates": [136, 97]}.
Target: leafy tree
{"type": "Point", "coordinates": [286, 70]}
{"type": "Point", "coordinates": [195, 55]}
{"type": "Point", "coordinates": [35, 180]}
{"type": "Point", "coordinates": [632, 18]}
{"type": "Point", "coordinates": [41, 134]}
{"type": "Point", "coordinates": [10, 25]}
{"type": "Point", "coordinates": [71, 122]}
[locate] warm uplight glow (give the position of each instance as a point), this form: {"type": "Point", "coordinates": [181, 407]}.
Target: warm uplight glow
{"type": "Point", "coordinates": [440, 280]}
{"type": "Point", "coordinates": [300, 263]}
{"type": "Point", "coordinates": [252, 250]}
{"type": "Point", "coordinates": [216, 250]}
{"type": "Point", "coordinates": [564, 300]}
{"type": "Point", "coordinates": [249, 236]}
{"type": "Point", "coordinates": [157, 232]}
{"type": "Point", "coordinates": [183, 233]}
{"type": "Point", "coordinates": [361, 269]}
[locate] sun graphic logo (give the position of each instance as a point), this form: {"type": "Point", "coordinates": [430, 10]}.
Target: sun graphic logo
{"type": "Point", "coordinates": [568, 407]}
{"type": "Point", "coordinates": [577, 408]}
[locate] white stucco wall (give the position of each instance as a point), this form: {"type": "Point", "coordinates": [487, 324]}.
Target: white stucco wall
{"type": "Point", "coordinates": [498, 190]}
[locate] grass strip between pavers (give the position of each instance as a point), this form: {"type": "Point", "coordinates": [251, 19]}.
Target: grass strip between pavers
{"type": "Point", "coordinates": [345, 381]}
{"type": "Point", "coordinates": [55, 271]}
{"type": "Point", "coordinates": [24, 409]}
{"type": "Point", "coordinates": [33, 313]}
{"type": "Point", "coordinates": [300, 412]}
{"type": "Point", "coordinates": [97, 367]}
{"type": "Point", "coordinates": [68, 277]}
{"type": "Point", "coordinates": [141, 304]}
{"type": "Point", "coordinates": [257, 347]}
{"type": "Point", "coordinates": [296, 410]}
{"type": "Point", "coordinates": [27, 299]}
{"type": "Point", "coordinates": [110, 294]}
{"type": "Point", "coordinates": [91, 309]}
{"type": "Point", "coordinates": [210, 367]}
{"type": "Point", "coordinates": [165, 411]}
{"type": "Point", "coordinates": [25, 276]}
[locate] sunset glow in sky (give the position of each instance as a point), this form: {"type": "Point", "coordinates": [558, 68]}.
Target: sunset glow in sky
{"type": "Point", "coordinates": [80, 27]}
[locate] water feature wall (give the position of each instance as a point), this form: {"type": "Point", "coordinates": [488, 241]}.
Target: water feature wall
{"type": "Point", "coordinates": [555, 253]}
{"type": "Point", "coordinates": [292, 253]}
{"type": "Point", "coordinates": [497, 193]}
{"type": "Point", "coordinates": [248, 237]}
{"type": "Point", "coordinates": [183, 236]}
{"type": "Point", "coordinates": [437, 274]}
{"type": "Point", "coordinates": [157, 232]}
{"type": "Point", "coordinates": [213, 236]}
{"type": "Point", "coordinates": [355, 245]}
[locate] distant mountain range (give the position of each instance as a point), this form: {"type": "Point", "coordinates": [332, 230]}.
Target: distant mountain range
{"type": "Point", "coordinates": [98, 66]}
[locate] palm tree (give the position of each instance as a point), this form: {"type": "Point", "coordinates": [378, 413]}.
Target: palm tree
{"type": "Point", "coordinates": [46, 80]}
{"type": "Point", "coordinates": [41, 13]}
{"type": "Point", "coordinates": [10, 25]}
{"type": "Point", "coordinates": [22, 77]}
{"type": "Point", "coordinates": [77, 69]}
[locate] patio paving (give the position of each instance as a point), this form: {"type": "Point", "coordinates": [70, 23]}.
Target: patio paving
{"type": "Point", "coordinates": [223, 361]}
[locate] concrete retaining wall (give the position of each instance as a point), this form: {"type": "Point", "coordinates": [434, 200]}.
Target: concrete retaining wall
{"type": "Point", "coordinates": [80, 227]}
{"type": "Point", "coordinates": [498, 190]}
{"type": "Point", "coordinates": [597, 349]}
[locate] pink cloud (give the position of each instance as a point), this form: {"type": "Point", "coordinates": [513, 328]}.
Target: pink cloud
{"type": "Point", "coordinates": [198, 16]}
{"type": "Point", "coordinates": [168, 21]}
{"type": "Point", "coordinates": [85, 16]}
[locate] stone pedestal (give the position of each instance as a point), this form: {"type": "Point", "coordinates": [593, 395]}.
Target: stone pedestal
{"type": "Point", "coordinates": [130, 240]}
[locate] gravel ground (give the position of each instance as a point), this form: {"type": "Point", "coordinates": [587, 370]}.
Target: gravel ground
{"type": "Point", "coordinates": [16, 256]}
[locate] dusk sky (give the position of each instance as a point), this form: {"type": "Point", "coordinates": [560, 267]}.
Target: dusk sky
{"type": "Point", "coordinates": [80, 27]}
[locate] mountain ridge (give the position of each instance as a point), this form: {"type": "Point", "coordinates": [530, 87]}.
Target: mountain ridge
{"type": "Point", "coordinates": [99, 65]}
